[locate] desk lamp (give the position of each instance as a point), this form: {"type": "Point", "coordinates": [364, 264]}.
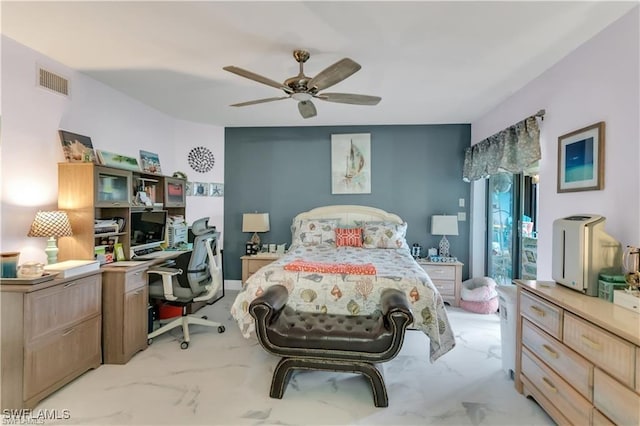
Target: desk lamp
{"type": "Point", "coordinates": [255, 222]}
{"type": "Point", "coordinates": [444, 225]}
{"type": "Point", "coordinates": [51, 224]}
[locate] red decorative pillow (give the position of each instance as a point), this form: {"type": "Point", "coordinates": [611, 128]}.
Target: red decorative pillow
{"type": "Point", "coordinates": [351, 237]}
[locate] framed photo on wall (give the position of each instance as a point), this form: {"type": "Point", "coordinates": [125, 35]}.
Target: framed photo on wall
{"type": "Point", "coordinates": [581, 159]}
{"type": "Point", "coordinates": [351, 163]}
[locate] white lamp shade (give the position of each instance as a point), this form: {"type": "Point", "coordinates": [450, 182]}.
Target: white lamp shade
{"type": "Point", "coordinates": [444, 225]}
{"type": "Point", "coordinates": [255, 222]}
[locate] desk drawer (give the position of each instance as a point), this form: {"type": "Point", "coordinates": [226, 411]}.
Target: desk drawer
{"type": "Point", "coordinates": [440, 272]}
{"type": "Point", "coordinates": [569, 402]}
{"type": "Point", "coordinates": [57, 356]}
{"type": "Point", "coordinates": [609, 352]}
{"type": "Point", "coordinates": [61, 306]}
{"type": "Point", "coordinates": [135, 280]}
{"type": "Point", "coordinates": [545, 315]}
{"type": "Point", "coordinates": [575, 369]}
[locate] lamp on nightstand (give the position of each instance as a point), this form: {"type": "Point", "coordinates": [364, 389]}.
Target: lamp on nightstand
{"type": "Point", "coordinates": [255, 222]}
{"type": "Point", "coordinates": [52, 225]}
{"type": "Point", "coordinates": [444, 225]}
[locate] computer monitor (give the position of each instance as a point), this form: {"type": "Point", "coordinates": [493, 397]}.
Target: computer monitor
{"type": "Point", "coordinates": [148, 229]}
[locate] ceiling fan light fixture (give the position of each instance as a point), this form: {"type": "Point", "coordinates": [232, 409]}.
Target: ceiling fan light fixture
{"type": "Point", "coordinates": [302, 96]}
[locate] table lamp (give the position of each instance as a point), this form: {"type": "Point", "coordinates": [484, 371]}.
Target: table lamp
{"type": "Point", "coordinates": [444, 225]}
{"type": "Point", "coordinates": [255, 222]}
{"type": "Point", "coordinates": [52, 225]}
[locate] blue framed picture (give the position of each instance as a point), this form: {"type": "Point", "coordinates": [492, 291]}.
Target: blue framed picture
{"type": "Point", "coordinates": [581, 159]}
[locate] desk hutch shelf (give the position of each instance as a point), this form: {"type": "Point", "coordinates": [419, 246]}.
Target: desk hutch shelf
{"type": "Point", "coordinates": [88, 192]}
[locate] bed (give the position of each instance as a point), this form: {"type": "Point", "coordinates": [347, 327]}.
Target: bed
{"type": "Point", "coordinates": [326, 270]}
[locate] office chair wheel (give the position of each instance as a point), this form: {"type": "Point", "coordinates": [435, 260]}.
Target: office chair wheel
{"type": "Point", "coordinates": [149, 341]}
{"type": "Point", "coordinates": [221, 329]}
{"type": "Point", "coordinates": [184, 345]}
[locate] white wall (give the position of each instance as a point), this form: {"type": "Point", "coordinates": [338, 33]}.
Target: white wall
{"type": "Point", "coordinates": [599, 81]}
{"type": "Point", "coordinates": [30, 148]}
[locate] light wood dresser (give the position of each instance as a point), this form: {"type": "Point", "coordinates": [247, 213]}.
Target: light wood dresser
{"type": "Point", "coordinates": [50, 336]}
{"type": "Point", "coordinates": [577, 356]}
{"type": "Point", "coordinates": [447, 277]}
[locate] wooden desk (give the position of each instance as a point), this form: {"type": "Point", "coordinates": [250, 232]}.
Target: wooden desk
{"type": "Point", "coordinates": [125, 297]}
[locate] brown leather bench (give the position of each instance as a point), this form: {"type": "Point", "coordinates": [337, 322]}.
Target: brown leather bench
{"type": "Point", "coordinates": [317, 341]}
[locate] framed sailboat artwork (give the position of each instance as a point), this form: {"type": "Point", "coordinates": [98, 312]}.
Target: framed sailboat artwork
{"type": "Point", "coordinates": [351, 163]}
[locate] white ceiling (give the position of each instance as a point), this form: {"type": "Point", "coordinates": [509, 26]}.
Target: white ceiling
{"type": "Point", "coordinates": [431, 62]}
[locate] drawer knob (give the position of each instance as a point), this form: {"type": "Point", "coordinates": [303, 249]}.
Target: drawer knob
{"type": "Point", "coordinates": [549, 385]}
{"type": "Point", "coordinates": [551, 352]}
{"type": "Point", "coordinates": [538, 311]}
{"type": "Point", "coordinates": [590, 343]}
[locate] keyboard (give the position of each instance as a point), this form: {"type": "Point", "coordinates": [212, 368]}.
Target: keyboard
{"type": "Point", "coordinates": [161, 254]}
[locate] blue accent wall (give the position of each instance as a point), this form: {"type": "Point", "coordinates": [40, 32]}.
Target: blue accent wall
{"type": "Point", "coordinates": [416, 172]}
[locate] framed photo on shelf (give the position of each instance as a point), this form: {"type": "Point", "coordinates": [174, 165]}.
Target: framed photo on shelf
{"type": "Point", "coordinates": [119, 161]}
{"type": "Point", "coordinates": [150, 163]}
{"type": "Point", "coordinates": [581, 159]}
{"type": "Point", "coordinates": [76, 148]}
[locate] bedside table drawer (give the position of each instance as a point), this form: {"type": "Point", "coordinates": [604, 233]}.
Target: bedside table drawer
{"type": "Point", "coordinates": [255, 264]}
{"type": "Point", "coordinates": [445, 288]}
{"type": "Point", "coordinates": [440, 272]}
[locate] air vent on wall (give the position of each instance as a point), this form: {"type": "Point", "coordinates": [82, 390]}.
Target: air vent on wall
{"type": "Point", "coordinates": [53, 81]}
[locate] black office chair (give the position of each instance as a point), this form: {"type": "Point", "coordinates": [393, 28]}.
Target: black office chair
{"type": "Point", "coordinates": [196, 277]}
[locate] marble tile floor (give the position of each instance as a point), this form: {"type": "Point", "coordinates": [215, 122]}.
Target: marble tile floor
{"type": "Point", "coordinates": [224, 379]}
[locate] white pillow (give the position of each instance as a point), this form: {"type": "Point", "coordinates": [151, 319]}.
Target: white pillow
{"type": "Point", "coordinates": [387, 235]}
{"type": "Point", "coordinates": [314, 232]}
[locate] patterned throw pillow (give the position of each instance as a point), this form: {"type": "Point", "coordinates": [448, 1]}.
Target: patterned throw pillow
{"type": "Point", "coordinates": [314, 232]}
{"type": "Point", "coordinates": [351, 237]}
{"type": "Point", "coordinates": [386, 235]}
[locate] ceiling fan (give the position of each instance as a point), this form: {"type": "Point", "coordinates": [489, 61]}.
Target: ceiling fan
{"type": "Point", "coordinates": [302, 88]}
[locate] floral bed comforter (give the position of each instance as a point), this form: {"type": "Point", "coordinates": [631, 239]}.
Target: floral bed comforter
{"type": "Point", "coordinates": [351, 294]}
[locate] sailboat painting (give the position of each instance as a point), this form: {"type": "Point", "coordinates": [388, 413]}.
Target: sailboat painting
{"type": "Point", "coordinates": [351, 163]}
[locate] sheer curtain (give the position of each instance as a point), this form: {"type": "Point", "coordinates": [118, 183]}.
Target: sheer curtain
{"type": "Point", "coordinates": [512, 150]}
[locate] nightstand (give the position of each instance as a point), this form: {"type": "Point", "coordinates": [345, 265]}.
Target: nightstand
{"type": "Point", "coordinates": [447, 277]}
{"type": "Point", "coordinates": [251, 264]}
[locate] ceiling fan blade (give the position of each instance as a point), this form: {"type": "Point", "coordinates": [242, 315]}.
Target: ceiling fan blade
{"type": "Point", "coordinates": [307, 109]}
{"type": "Point", "coordinates": [256, 77]}
{"type": "Point", "coordinates": [334, 74]}
{"type": "Point", "coordinates": [259, 101]}
{"type": "Point", "coordinates": [349, 98]}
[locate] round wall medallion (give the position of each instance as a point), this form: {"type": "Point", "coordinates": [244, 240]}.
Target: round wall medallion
{"type": "Point", "coordinates": [201, 159]}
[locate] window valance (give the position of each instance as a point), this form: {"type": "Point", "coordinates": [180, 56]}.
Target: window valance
{"type": "Point", "coordinates": [512, 149]}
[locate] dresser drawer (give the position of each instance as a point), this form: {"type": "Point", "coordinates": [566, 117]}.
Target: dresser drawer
{"type": "Point", "coordinates": [615, 401]}
{"type": "Point", "coordinates": [61, 354]}
{"type": "Point", "coordinates": [600, 419]}
{"type": "Point", "coordinates": [576, 370]}
{"type": "Point", "coordinates": [637, 369]}
{"type": "Point", "coordinates": [569, 402]}
{"type": "Point", "coordinates": [609, 352]}
{"type": "Point", "coordinates": [445, 288]}
{"type": "Point", "coordinates": [545, 315]}
{"type": "Point", "coordinates": [61, 306]}
{"type": "Point", "coordinates": [135, 280]}
{"type": "Point", "coordinates": [440, 272]}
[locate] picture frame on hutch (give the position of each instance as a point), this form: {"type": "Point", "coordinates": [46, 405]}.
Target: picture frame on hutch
{"type": "Point", "coordinates": [581, 159]}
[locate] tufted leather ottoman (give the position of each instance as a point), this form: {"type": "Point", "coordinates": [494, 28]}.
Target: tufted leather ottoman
{"type": "Point", "coordinates": [317, 341]}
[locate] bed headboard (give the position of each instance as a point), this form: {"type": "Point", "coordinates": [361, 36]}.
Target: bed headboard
{"type": "Point", "coordinates": [349, 214]}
